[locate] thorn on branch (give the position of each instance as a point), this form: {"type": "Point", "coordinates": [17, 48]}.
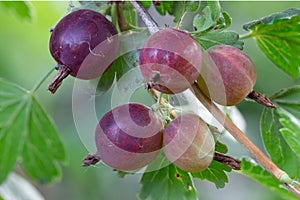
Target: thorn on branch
{"type": "Point", "coordinates": [227, 160]}
{"type": "Point", "coordinates": [261, 99]}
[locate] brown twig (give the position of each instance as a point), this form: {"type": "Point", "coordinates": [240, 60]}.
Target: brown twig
{"type": "Point", "coordinates": [252, 149]}
{"type": "Point", "coordinates": [261, 99]}
{"type": "Point", "coordinates": [227, 160]}
{"type": "Point", "coordinates": [120, 16]}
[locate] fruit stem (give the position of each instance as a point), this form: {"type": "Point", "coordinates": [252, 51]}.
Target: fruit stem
{"type": "Point", "coordinates": [261, 99]}
{"type": "Point", "coordinates": [252, 149]}
{"type": "Point", "coordinates": [62, 73]}
{"type": "Point", "coordinates": [41, 81]}
{"type": "Point", "coordinates": [150, 23]}
{"type": "Point", "coordinates": [158, 97]}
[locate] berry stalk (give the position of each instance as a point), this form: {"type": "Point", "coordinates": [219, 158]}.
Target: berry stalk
{"type": "Point", "coordinates": [261, 99]}
{"type": "Point", "coordinates": [63, 72]}
{"type": "Point", "coordinates": [42, 80]}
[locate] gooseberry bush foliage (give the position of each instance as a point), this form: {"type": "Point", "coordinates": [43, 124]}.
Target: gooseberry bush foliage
{"type": "Point", "coordinates": [173, 147]}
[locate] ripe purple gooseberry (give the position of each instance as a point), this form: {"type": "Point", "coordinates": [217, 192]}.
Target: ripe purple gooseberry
{"type": "Point", "coordinates": [127, 138]}
{"type": "Point", "coordinates": [170, 61]}
{"type": "Point", "coordinates": [189, 143]}
{"type": "Point", "coordinates": [84, 44]}
{"type": "Point", "coordinates": [228, 75]}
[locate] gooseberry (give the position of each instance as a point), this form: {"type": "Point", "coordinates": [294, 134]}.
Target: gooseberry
{"type": "Point", "coordinates": [84, 44]}
{"type": "Point", "coordinates": [170, 60]}
{"type": "Point", "coordinates": [228, 75]}
{"type": "Point", "coordinates": [129, 137]}
{"type": "Point", "coordinates": [189, 143]}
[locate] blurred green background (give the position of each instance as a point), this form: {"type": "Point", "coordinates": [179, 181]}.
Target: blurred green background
{"type": "Point", "coordinates": [25, 57]}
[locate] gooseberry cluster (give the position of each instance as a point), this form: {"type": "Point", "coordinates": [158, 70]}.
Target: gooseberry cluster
{"type": "Point", "coordinates": [130, 136]}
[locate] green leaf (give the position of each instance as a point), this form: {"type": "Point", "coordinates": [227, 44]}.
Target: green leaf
{"type": "Point", "coordinates": [26, 132]}
{"type": "Point", "coordinates": [192, 6]}
{"type": "Point", "coordinates": [129, 13]}
{"type": "Point", "coordinates": [167, 183]}
{"type": "Point", "coordinates": [291, 133]}
{"type": "Point", "coordinates": [215, 9]}
{"type": "Point", "coordinates": [279, 143]}
{"type": "Point", "coordinates": [107, 79]}
{"type": "Point", "coordinates": [180, 7]}
{"type": "Point", "coordinates": [104, 83]}
{"type": "Point", "coordinates": [278, 36]}
{"type": "Point", "coordinates": [220, 147]}
{"type": "Point", "coordinates": [263, 177]}
{"type": "Point", "coordinates": [289, 100]}
{"type": "Point", "coordinates": [178, 10]}
{"type": "Point", "coordinates": [13, 121]}
{"type": "Point", "coordinates": [204, 21]}
{"type": "Point", "coordinates": [211, 18]}
{"type": "Point", "coordinates": [43, 148]}
{"type": "Point", "coordinates": [22, 9]}
{"type": "Point", "coordinates": [213, 38]}
{"type": "Point", "coordinates": [214, 173]}
{"type": "Point", "coordinates": [146, 4]}
{"type": "Point", "coordinates": [129, 50]}
{"type": "Point", "coordinates": [164, 7]}
{"type": "Point", "coordinates": [119, 67]}
{"type": "Point", "coordinates": [224, 21]}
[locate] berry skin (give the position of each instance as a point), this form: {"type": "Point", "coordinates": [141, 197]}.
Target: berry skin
{"type": "Point", "coordinates": [129, 137]}
{"type": "Point", "coordinates": [170, 61]}
{"type": "Point", "coordinates": [84, 44]}
{"type": "Point", "coordinates": [228, 75]}
{"type": "Point", "coordinates": [189, 143]}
